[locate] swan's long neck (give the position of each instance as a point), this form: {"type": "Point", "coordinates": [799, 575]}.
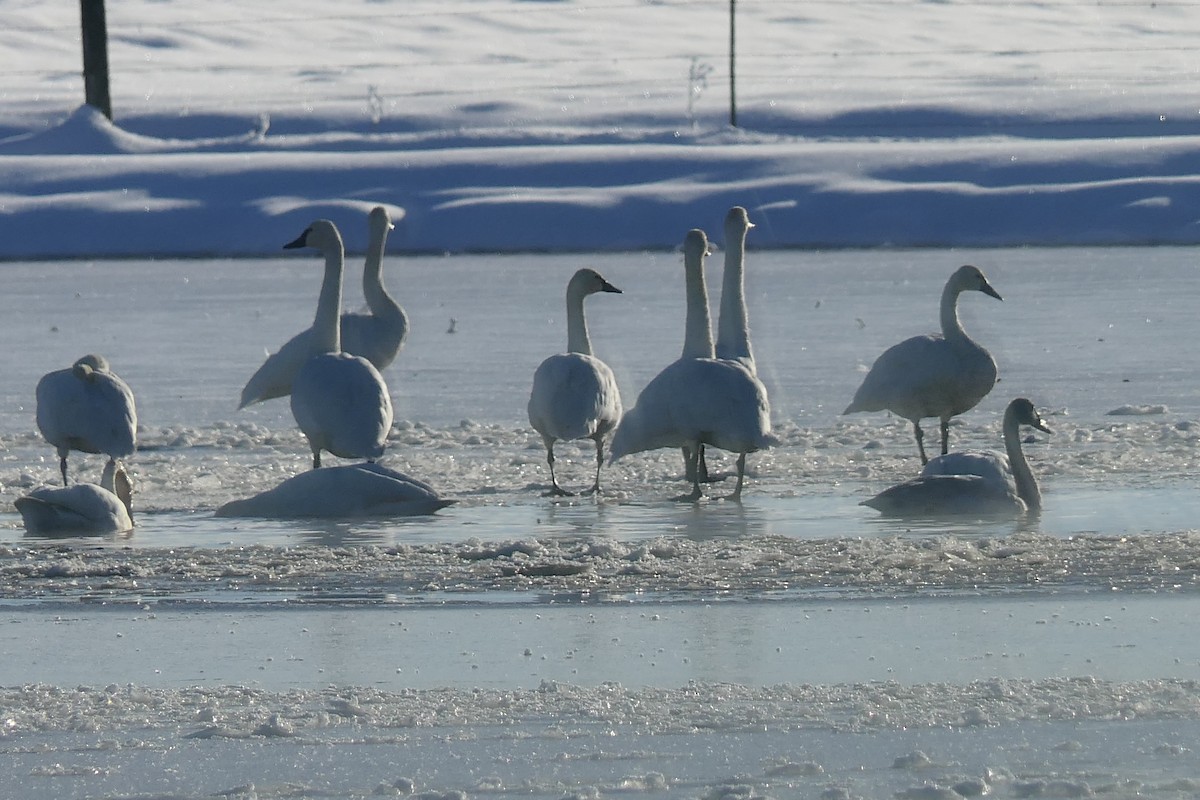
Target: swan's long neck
{"type": "Point", "coordinates": [952, 328]}
{"type": "Point", "coordinates": [697, 337]}
{"type": "Point", "coordinates": [378, 300]}
{"type": "Point", "coordinates": [1027, 486]}
{"type": "Point", "coordinates": [578, 340]}
{"type": "Point", "coordinates": [326, 330]}
{"type": "Point", "coordinates": [733, 326]}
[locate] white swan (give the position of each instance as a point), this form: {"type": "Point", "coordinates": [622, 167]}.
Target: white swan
{"type": "Point", "coordinates": [339, 400]}
{"type": "Point", "coordinates": [972, 482]}
{"type": "Point", "coordinates": [933, 376]}
{"type": "Point", "coordinates": [84, 508]}
{"type": "Point", "coordinates": [698, 400]}
{"type": "Point", "coordinates": [575, 394]}
{"type": "Point", "coordinates": [345, 491]}
{"type": "Point", "coordinates": [377, 336]}
{"type": "Point", "coordinates": [87, 408]}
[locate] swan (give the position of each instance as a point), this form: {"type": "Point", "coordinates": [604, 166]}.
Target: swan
{"type": "Point", "coordinates": [339, 400]}
{"type": "Point", "coordinates": [733, 325]}
{"type": "Point", "coordinates": [348, 490]}
{"type": "Point", "coordinates": [575, 394]}
{"type": "Point", "coordinates": [973, 482]}
{"type": "Point", "coordinates": [698, 400]}
{"type": "Point", "coordinates": [377, 336]}
{"type": "Point", "coordinates": [83, 508]}
{"type": "Point", "coordinates": [931, 375]}
{"type": "Point", "coordinates": [87, 408]}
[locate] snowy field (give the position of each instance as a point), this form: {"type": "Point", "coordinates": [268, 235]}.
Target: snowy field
{"type": "Point", "coordinates": [793, 645]}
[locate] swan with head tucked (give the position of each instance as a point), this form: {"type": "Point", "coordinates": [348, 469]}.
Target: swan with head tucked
{"type": "Point", "coordinates": [341, 492]}
{"type": "Point", "coordinates": [575, 394]}
{"type": "Point", "coordinates": [933, 376]}
{"type": "Point", "coordinates": [87, 408]}
{"type": "Point", "coordinates": [85, 508]}
{"type": "Point", "coordinates": [698, 399]}
{"type": "Point", "coordinates": [377, 336]}
{"type": "Point", "coordinates": [339, 400]}
{"type": "Point", "coordinates": [973, 482]}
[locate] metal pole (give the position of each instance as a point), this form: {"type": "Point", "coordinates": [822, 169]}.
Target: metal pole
{"type": "Point", "coordinates": [732, 64]}
{"type": "Point", "coordinates": [95, 55]}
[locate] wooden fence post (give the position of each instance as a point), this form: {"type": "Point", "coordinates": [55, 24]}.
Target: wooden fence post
{"type": "Point", "coordinates": [732, 64]}
{"type": "Point", "coordinates": [95, 55]}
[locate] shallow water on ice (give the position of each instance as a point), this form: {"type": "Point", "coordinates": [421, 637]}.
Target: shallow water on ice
{"type": "Point", "coordinates": [793, 644]}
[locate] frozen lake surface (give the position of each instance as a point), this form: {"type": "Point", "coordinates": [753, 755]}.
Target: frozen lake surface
{"type": "Point", "coordinates": [791, 645]}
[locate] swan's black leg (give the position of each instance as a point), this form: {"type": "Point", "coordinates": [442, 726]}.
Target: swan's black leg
{"type": "Point", "coordinates": [62, 465]}
{"type": "Point", "coordinates": [555, 490]}
{"type": "Point", "coordinates": [945, 436]}
{"type": "Point", "coordinates": [920, 434]}
{"type": "Point", "coordinates": [741, 468]}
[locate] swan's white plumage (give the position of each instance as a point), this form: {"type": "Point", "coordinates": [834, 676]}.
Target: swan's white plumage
{"type": "Point", "coordinates": [938, 376]}
{"type": "Point", "coordinates": [85, 508]}
{"type": "Point", "coordinates": [972, 482]}
{"type": "Point", "coordinates": [87, 408]}
{"type": "Point", "coordinates": [575, 394]}
{"type": "Point", "coordinates": [733, 321]}
{"type": "Point", "coordinates": [698, 400]}
{"type": "Point", "coordinates": [377, 336]}
{"type": "Point", "coordinates": [345, 491]}
{"type": "Point", "coordinates": [340, 401]}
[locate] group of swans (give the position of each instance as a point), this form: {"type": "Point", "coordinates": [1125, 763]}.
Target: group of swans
{"type": "Point", "coordinates": [90, 409]}
{"type": "Point", "coordinates": [338, 397]}
{"type": "Point", "coordinates": [942, 377]}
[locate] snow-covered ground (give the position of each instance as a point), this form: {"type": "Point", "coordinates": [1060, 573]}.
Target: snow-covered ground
{"type": "Point", "coordinates": [602, 124]}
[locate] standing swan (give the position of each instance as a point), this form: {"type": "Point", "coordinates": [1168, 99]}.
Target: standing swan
{"type": "Point", "coordinates": [377, 336]}
{"type": "Point", "coordinates": [698, 400]}
{"type": "Point", "coordinates": [973, 482]}
{"type": "Point", "coordinates": [83, 508]}
{"type": "Point", "coordinates": [339, 400]}
{"type": "Point", "coordinates": [86, 408]}
{"type": "Point", "coordinates": [575, 394]}
{"type": "Point", "coordinates": [933, 376]}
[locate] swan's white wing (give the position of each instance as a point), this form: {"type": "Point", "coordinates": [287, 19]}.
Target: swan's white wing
{"type": "Point", "coordinates": [79, 509]}
{"type": "Point", "coordinates": [375, 338]}
{"type": "Point", "coordinates": [341, 403]}
{"type": "Point", "coordinates": [95, 415]}
{"type": "Point", "coordinates": [354, 490]}
{"type": "Point", "coordinates": [574, 396]}
{"type": "Point", "coordinates": [274, 378]}
{"type": "Point", "coordinates": [992, 467]}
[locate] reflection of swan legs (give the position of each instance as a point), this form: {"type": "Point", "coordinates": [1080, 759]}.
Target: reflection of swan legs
{"type": "Point", "coordinates": [555, 490]}
{"type": "Point", "coordinates": [920, 434]}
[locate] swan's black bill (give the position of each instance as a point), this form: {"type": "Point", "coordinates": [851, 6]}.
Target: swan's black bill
{"type": "Point", "coordinates": [298, 242]}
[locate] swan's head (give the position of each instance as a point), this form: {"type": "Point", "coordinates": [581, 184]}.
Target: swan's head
{"type": "Point", "coordinates": [737, 222]}
{"type": "Point", "coordinates": [587, 281]}
{"type": "Point", "coordinates": [322, 235]}
{"type": "Point", "coordinates": [970, 279]}
{"type": "Point", "coordinates": [1024, 413]}
{"type": "Point", "coordinates": [379, 219]}
{"type": "Point", "coordinates": [94, 362]}
{"type": "Point", "coordinates": [695, 244]}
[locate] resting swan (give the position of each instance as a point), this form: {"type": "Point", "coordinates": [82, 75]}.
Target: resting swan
{"type": "Point", "coordinates": [978, 482]}
{"type": "Point", "coordinates": [698, 400]}
{"type": "Point", "coordinates": [87, 408]}
{"type": "Point", "coordinates": [575, 394]}
{"type": "Point", "coordinates": [377, 337]}
{"type": "Point", "coordinates": [339, 400]}
{"type": "Point", "coordinates": [350, 490]}
{"type": "Point", "coordinates": [84, 508]}
{"type": "Point", "coordinates": [933, 376]}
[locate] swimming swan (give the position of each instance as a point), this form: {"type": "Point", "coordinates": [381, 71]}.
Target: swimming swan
{"type": "Point", "coordinates": [972, 482]}
{"type": "Point", "coordinates": [377, 336]}
{"type": "Point", "coordinates": [87, 408]}
{"type": "Point", "coordinates": [345, 491]}
{"type": "Point", "coordinates": [339, 400]}
{"type": "Point", "coordinates": [84, 508]}
{"type": "Point", "coordinates": [575, 394]}
{"type": "Point", "coordinates": [933, 376]}
{"type": "Point", "coordinates": [698, 400]}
